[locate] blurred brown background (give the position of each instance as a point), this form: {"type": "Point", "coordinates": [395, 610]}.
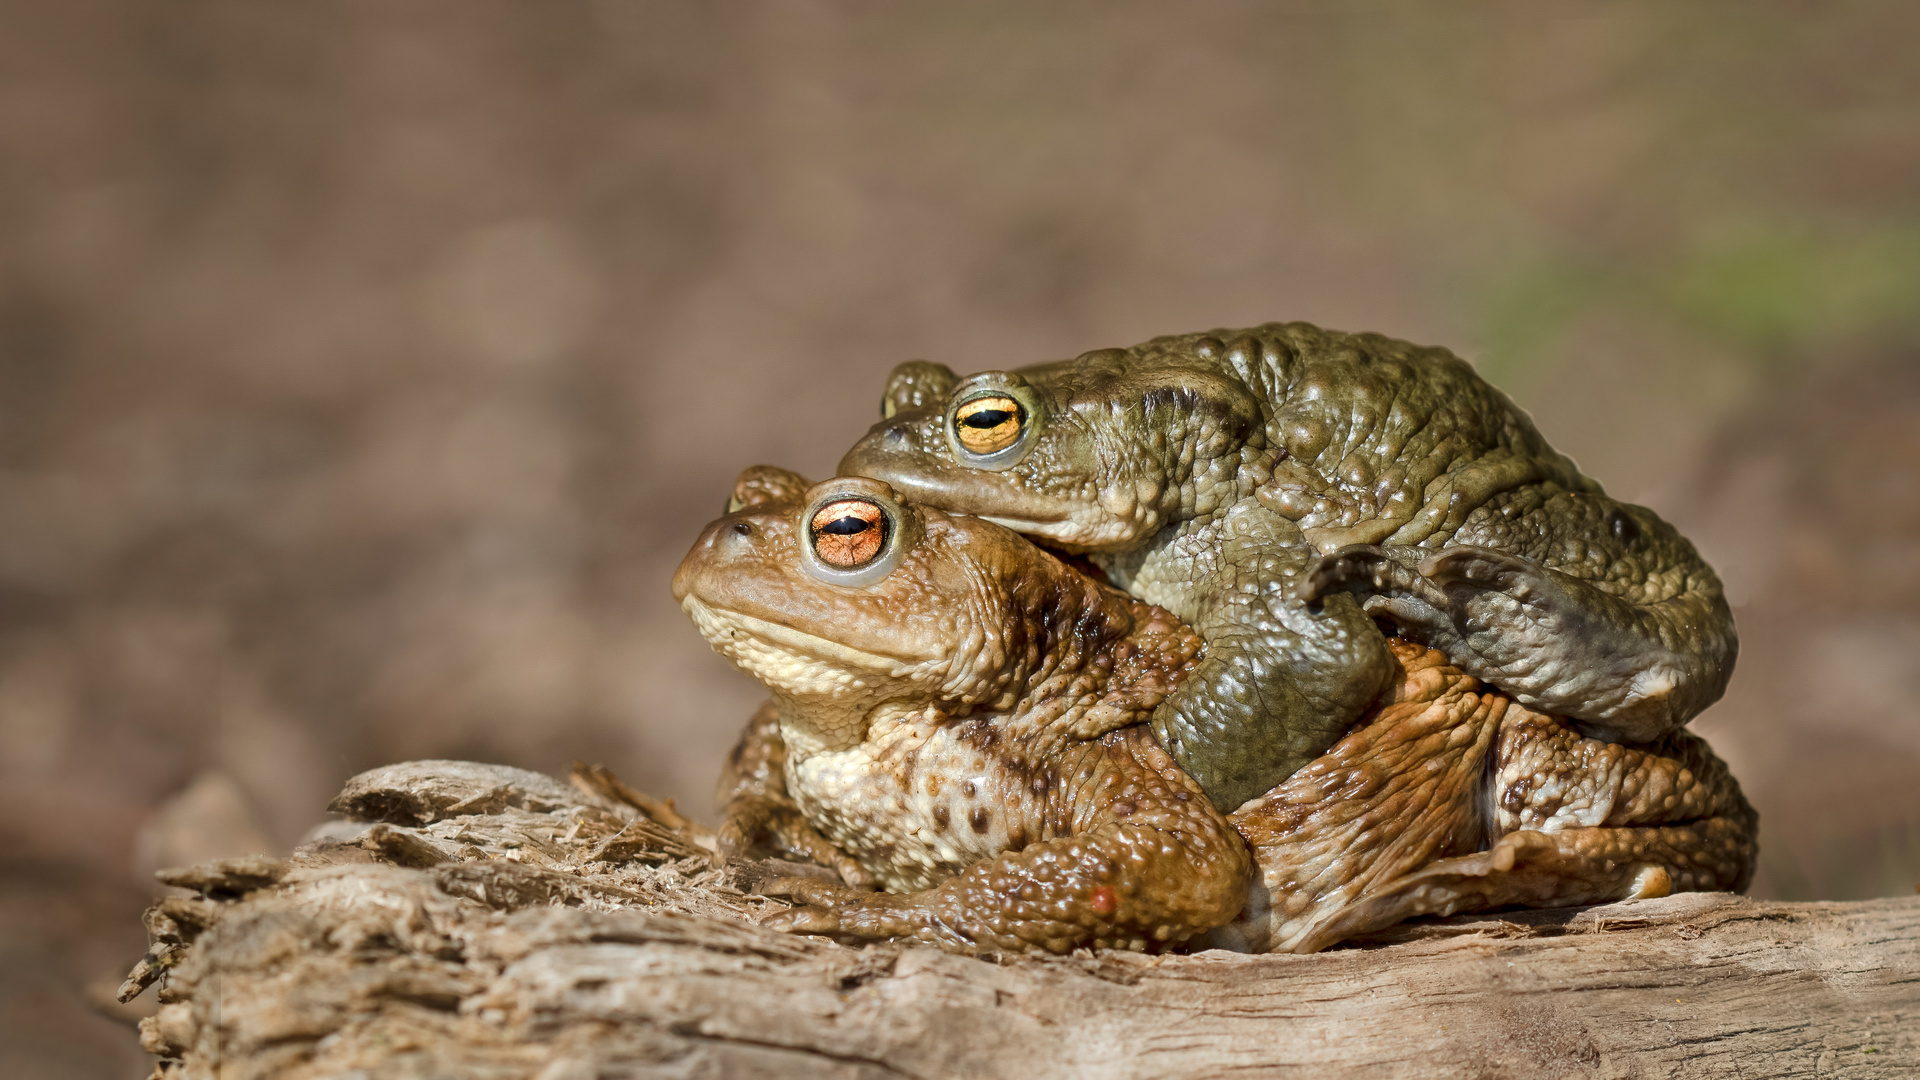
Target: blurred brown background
{"type": "Point", "coordinates": [366, 368]}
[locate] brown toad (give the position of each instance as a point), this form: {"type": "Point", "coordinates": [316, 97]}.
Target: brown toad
{"type": "Point", "coordinates": [961, 718]}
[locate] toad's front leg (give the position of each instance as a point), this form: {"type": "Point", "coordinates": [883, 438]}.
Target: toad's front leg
{"type": "Point", "coordinates": [1282, 678]}
{"type": "Point", "coordinates": [1132, 855]}
{"type": "Point", "coordinates": [758, 818]}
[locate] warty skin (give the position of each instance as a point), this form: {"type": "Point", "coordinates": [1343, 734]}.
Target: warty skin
{"type": "Point", "coordinates": [969, 731]}
{"type": "Point", "coordinates": [1280, 488]}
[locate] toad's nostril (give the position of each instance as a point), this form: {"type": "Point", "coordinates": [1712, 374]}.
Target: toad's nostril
{"type": "Point", "coordinates": [898, 435]}
{"type": "Point", "coordinates": [735, 541]}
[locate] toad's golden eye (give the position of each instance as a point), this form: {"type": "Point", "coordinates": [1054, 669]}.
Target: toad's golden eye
{"type": "Point", "coordinates": [988, 424]}
{"type": "Point", "coordinates": [848, 533]}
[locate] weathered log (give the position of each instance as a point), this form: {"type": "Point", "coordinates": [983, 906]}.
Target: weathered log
{"type": "Point", "coordinates": [497, 926]}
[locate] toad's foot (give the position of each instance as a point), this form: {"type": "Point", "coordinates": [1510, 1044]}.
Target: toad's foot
{"type": "Point", "coordinates": [1562, 869]}
{"type": "Point", "coordinates": [1554, 642]}
{"type": "Point", "coordinates": [843, 913]}
{"type": "Point", "coordinates": [1119, 885]}
{"type": "Point", "coordinates": [771, 824]}
{"type": "Point", "coordinates": [1585, 822]}
{"type": "Point", "coordinates": [758, 817]}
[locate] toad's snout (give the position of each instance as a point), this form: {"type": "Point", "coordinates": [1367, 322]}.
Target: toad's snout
{"type": "Point", "coordinates": [894, 445]}
{"type": "Point", "coordinates": [725, 549]}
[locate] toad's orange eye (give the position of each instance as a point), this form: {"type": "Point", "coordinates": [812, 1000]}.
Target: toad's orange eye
{"type": "Point", "coordinates": [848, 533]}
{"type": "Point", "coordinates": [988, 424]}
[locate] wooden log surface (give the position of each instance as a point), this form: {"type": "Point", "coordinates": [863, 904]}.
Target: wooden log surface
{"type": "Point", "coordinates": [496, 923]}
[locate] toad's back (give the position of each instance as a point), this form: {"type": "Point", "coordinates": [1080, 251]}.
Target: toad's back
{"type": "Point", "coordinates": [1374, 440]}
{"type": "Point", "coordinates": [1283, 487]}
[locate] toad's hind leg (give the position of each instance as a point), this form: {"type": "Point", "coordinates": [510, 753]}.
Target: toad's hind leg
{"type": "Point", "coordinates": [1580, 821]}
{"type": "Point", "coordinates": [1559, 869]}
{"type": "Point", "coordinates": [1399, 793]}
{"type": "Point", "coordinates": [1570, 602]}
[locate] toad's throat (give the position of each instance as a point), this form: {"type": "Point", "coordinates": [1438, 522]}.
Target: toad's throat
{"type": "Point", "coordinates": [721, 625]}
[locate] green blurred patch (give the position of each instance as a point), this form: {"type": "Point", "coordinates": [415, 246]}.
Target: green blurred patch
{"type": "Point", "coordinates": [1781, 295]}
{"type": "Point", "coordinates": [1787, 291]}
{"type": "Point", "coordinates": [1525, 315]}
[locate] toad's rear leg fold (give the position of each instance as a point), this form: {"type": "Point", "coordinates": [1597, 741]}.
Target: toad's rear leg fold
{"type": "Point", "coordinates": [1402, 791]}
{"type": "Point", "coordinates": [1549, 777]}
{"type": "Point", "coordinates": [1560, 869]}
{"type": "Point", "coordinates": [1625, 670]}
{"type": "Point", "coordinates": [1578, 821]}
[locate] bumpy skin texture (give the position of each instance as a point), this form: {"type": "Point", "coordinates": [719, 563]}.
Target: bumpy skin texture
{"type": "Point", "coordinates": [1275, 487]}
{"type": "Point", "coordinates": [1103, 845]}
{"type": "Point", "coordinates": [967, 732]}
{"type": "Point", "coordinates": [1449, 798]}
{"type": "Point", "coordinates": [757, 815]}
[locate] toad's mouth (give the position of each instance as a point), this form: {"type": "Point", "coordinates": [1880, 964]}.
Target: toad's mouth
{"type": "Point", "coordinates": [1071, 556]}
{"type": "Point", "coordinates": [1053, 530]}
{"type": "Point", "coordinates": [725, 629]}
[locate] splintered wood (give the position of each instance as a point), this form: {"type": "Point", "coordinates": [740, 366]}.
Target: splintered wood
{"type": "Point", "coordinates": [481, 921]}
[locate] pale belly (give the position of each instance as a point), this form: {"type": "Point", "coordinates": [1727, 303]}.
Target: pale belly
{"type": "Point", "coordinates": [914, 807]}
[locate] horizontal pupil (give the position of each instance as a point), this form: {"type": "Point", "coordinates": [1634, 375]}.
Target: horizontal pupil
{"type": "Point", "coordinates": [987, 418]}
{"type": "Point", "coordinates": [846, 526]}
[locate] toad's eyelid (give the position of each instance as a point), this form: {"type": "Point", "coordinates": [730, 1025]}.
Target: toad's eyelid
{"type": "Point", "coordinates": [859, 509]}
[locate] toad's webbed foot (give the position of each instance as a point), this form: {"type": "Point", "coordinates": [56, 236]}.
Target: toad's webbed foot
{"type": "Point", "coordinates": [1554, 642]}
{"type": "Point", "coordinates": [1384, 827]}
